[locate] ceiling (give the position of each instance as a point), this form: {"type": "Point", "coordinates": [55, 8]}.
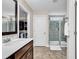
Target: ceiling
{"type": "Point", "coordinates": [48, 5]}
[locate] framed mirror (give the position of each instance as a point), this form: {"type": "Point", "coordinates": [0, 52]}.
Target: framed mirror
{"type": "Point", "coordinates": [9, 17]}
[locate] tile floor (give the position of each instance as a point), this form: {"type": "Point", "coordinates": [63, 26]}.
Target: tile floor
{"type": "Point", "coordinates": [46, 53]}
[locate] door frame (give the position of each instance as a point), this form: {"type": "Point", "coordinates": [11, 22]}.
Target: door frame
{"type": "Point", "coordinates": [75, 29]}
{"type": "Point", "coordinates": [74, 3]}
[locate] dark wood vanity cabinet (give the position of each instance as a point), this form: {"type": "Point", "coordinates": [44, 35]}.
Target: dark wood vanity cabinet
{"type": "Point", "coordinates": [28, 55]}
{"type": "Point", "coordinates": [25, 52]}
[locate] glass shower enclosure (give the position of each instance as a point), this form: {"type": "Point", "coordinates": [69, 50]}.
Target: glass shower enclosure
{"type": "Point", "coordinates": [56, 31]}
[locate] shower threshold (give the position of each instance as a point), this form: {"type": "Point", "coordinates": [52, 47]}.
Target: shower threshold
{"type": "Point", "coordinates": [55, 47]}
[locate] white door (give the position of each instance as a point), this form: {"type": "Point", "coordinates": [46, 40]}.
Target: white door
{"type": "Point", "coordinates": [40, 30]}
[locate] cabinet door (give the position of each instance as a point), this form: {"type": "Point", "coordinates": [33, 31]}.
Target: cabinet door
{"type": "Point", "coordinates": [29, 54]}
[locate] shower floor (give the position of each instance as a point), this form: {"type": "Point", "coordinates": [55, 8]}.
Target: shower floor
{"type": "Point", "coordinates": [54, 45]}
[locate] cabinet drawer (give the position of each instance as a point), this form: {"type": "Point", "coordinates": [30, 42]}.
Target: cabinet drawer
{"type": "Point", "coordinates": [28, 54]}
{"type": "Point", "coordinates": [23, 50]}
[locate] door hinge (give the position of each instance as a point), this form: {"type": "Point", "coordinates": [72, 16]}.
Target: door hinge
{"type": "Point", "coordinates": [75, 33]}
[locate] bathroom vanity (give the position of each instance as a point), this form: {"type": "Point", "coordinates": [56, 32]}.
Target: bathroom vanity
{"type": "Point", "coordinates": [22, 47]}
{"type": "Point", "coordinates": [18, 49]}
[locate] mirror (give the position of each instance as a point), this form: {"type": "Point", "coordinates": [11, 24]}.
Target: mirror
{"type": "Point", "coordinates": [22, 23]}
{"type": "Point", "coordinates": [9, 17]}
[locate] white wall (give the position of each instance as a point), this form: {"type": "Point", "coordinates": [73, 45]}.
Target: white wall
{"type": "Point", "coordinates": [57, 13]}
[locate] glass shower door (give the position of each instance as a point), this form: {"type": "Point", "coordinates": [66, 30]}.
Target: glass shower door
{"type": "Point", "coordinates": [54, 31]}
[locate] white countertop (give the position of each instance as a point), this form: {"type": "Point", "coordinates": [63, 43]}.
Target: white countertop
{"type": "Point", "coordinates": [12, 46]}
